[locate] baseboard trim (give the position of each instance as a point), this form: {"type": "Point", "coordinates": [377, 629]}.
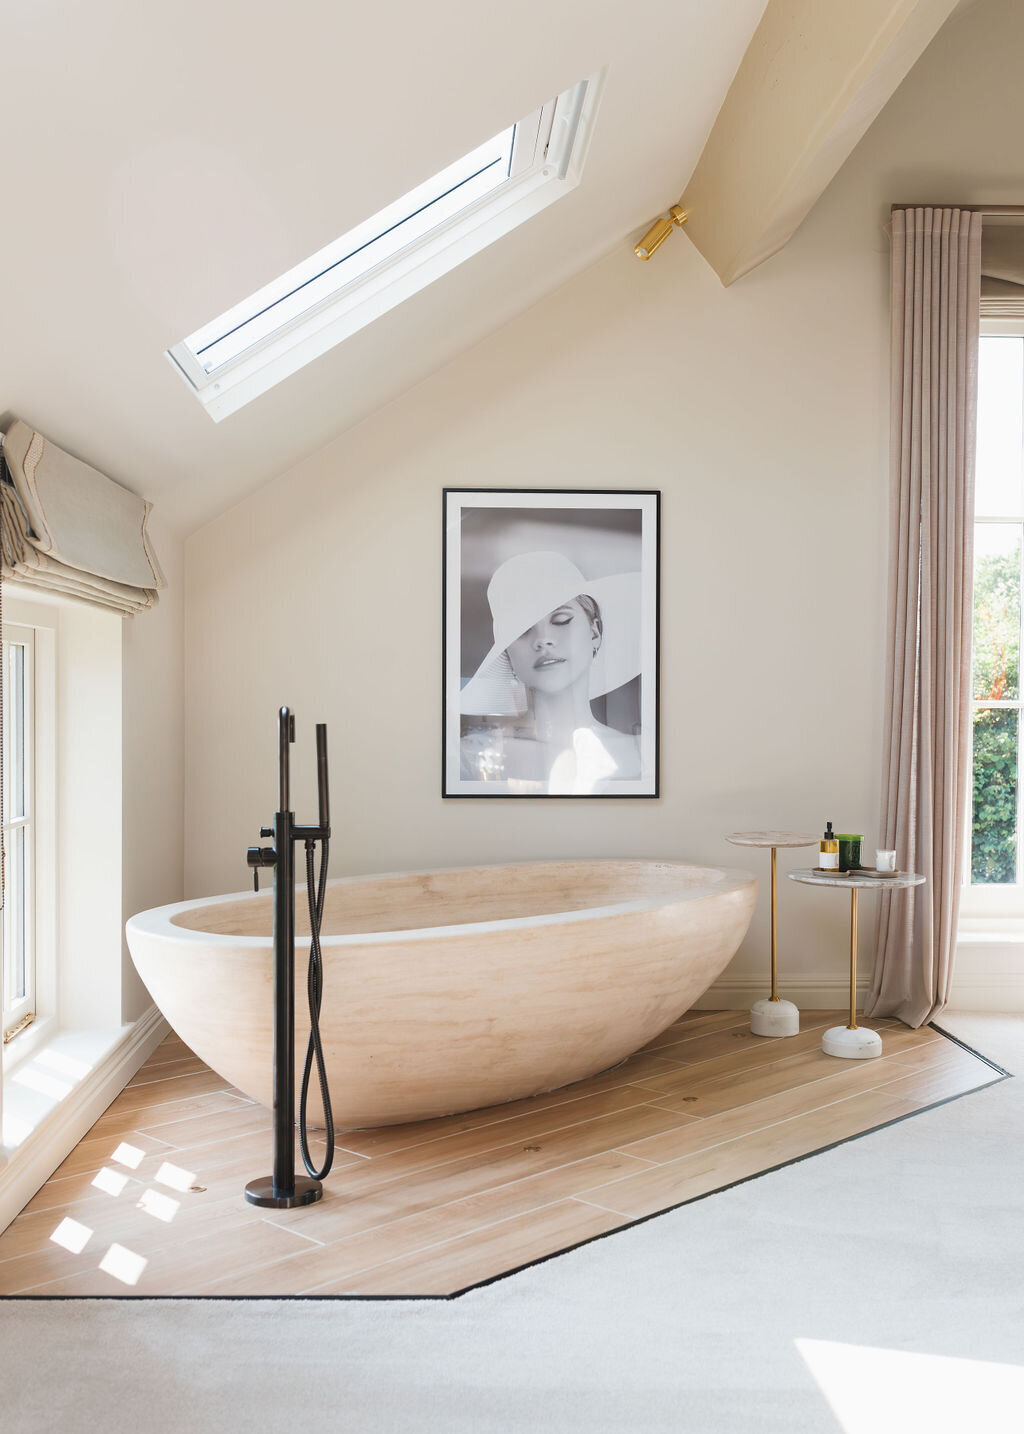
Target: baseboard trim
{"type": "Point", "coordinates": [982, 992]}
{"type": "Point", "coordinates": [988, 972]}
{"type": "Point", "coordinates": [32, 1163]}
{"type": "Point", "coordinates": [809, 992]}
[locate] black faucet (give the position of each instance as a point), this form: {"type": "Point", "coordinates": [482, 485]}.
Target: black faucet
{"type": "Point", "coordinates": [282, 1189]}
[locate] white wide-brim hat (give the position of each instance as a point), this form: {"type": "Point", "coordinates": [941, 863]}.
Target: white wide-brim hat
{"type": "Point", "coordinates": [525, 589]}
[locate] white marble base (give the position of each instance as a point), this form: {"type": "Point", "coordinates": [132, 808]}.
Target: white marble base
{"type": "Point", "coordinates": [858, 1044]}
{"type": "Point", "coordinates": [774, 1018]}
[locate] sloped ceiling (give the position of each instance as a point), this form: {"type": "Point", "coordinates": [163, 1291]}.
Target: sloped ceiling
{"type": "Point", "coordinates": [162, 162]}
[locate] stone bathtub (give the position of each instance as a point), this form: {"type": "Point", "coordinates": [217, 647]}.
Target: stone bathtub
{"type": "Point", "coordinates": [450, 990]}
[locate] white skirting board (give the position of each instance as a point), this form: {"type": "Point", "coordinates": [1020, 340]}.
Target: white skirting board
{"type": "Point", "coordinates": [809, 992]}
{"type": "Point", "coordinates": [32, 1162]}
{"type": "Point", "coordinates": [988, 972]}
{"type": "Point", "coordinates": [986, 977]}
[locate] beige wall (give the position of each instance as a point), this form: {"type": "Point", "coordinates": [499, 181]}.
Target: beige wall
{"type": "Point", "coordinates": [153, 780]}
{"type": "Point", "coordinates": [761, 413]}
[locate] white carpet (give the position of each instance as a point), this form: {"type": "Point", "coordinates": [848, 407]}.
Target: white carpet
{"type": "Point", "coordinates": [908, 1242]}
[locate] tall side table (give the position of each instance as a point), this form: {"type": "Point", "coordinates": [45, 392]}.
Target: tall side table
{"type": "Point", "coordinates": [853, 1041]}
{"type": "Point", "coordinates": [773, 1017]}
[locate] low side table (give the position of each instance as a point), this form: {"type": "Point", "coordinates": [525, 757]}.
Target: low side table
{"type": "Point", "coordinates": [853, 1041]}
{"type": "Point", "coordinates": [773, 1017]}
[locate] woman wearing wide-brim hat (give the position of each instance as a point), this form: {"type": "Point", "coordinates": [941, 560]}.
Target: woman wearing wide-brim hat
{"type": "Point", "coordinates": [560, 640]}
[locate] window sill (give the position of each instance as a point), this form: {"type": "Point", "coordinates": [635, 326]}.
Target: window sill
{"type": "Point", "coordinates": [54, 1088]}
{"type": "Point", "coordinates": [46, 1071]}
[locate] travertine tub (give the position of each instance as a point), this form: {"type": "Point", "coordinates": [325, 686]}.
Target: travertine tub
{"type": "Point", "coordinates": [450, 990]}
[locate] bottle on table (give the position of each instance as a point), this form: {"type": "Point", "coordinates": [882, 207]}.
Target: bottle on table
{"type": "Point", "coordinates": [828, 850]}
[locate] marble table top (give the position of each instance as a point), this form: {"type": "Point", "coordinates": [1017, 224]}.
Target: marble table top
{"type": "Point", "coordinates": [860, 878]}
{"type": "Point", "coordinates": [771, 839]}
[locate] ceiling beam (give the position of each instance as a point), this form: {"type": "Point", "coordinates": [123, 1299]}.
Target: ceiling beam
{"type": "Point", "coordinates": [814, 76]}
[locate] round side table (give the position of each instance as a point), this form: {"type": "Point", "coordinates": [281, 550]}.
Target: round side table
{"type": "Point", "coordinates": [773, 1017]}
{"type": "Point", "coordinates": [853, 1041]}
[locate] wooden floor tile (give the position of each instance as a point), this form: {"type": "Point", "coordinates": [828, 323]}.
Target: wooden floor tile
{"type": "Point", "coordinates": [92, 1153]}
{"type": "Point", "coordinates": [252, 1242]}
{"type": "Point", "coordinates": [182, 1065]}
{"type": "Point", "coordinates": [665, 1185]}
{"type": "Point", "coordinates": [739, 1120]}
{"type": "Point", "coordinates": [432, 1207]}
{"type": "Point", "coordinates": [360, 1201]}
{"type": "Point", "coordinates": [443, 1269]}
{"type": "Point", "coordinates": [117, 1120]}
{"type": "Point", "coordinates": [341, 1258]}
{"type": "Point", "coordinates": [698, 1025]}
{"type": "Point", "coordinates": [923, 1087]}
{"type": "Point", "coordinates": [139, 1097]}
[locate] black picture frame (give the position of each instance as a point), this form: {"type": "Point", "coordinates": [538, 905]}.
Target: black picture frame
{"type": "Point", "coordinates": [533, 542]}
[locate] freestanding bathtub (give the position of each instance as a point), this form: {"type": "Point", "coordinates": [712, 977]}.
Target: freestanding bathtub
{"type": "Point", "coordinates": [450, 990]}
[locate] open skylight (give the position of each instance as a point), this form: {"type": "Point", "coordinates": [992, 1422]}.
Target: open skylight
{"type": "Point", "coordinates": [390, 256]}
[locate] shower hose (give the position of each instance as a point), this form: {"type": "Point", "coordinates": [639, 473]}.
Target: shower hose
{"type": "Point", "coordinates": [315, 986]}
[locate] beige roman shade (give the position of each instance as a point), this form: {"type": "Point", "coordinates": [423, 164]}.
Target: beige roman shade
{"type": "Point", "coordinates": [1002, 268]}
{"type": "Point", "coordinates": [71, 529]}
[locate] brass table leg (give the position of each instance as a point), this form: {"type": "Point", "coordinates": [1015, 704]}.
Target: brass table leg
{"type": "Point", "coordinates": [774, 1017]}
{"type": "Point", "coordinates": [852, 1041]}
{"type": "Point", "coordinates": [853, 960]}
{"type": "Point", "coordinates": [775, 936]}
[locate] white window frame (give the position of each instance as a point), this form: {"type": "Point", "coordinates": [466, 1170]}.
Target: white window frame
{"type": "Point", "coordinates": [548, 155]}
{"type": "Point", "coordinates": [19, 1011]}
{"type": "Point", "coordinates": [1003, 901]}
{"type": "Point", "coordinates": [38, 623]}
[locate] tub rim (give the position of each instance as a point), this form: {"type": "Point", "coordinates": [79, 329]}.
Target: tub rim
{"type": "Point", "coordinates": [158, 920]}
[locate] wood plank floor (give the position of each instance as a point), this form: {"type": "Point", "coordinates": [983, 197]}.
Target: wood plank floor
{"type": "Point", "coordinates": [150, 1202]}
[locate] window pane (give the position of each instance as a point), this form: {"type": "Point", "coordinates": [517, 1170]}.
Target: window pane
{"type": "Point", "coordinates": [996, 611]}
{"type": "Point", "coordinates": [15, 954]}
{"type": "Point", "coordinates": [423, 209]}
{"type": "Point", "coordinates": [994, 826]}
{"type": "Point", "coordinates": [1000, 426]}
{"type": "Point", "coordinates": [14, 733]}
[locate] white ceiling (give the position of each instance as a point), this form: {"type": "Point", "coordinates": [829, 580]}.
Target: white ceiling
{"type": "Point", "coordinates": [162, 162]}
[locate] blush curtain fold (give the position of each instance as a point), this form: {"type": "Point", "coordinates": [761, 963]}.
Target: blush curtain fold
{"type": "Point", "coordinates": [936, 291]}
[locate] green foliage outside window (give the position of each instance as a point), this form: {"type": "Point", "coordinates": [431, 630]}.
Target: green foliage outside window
{"type": "Point", "coordinates": [996, 677]}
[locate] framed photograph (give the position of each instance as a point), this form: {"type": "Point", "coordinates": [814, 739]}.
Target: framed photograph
{"type": "Point", "coordinates": [550, 635]}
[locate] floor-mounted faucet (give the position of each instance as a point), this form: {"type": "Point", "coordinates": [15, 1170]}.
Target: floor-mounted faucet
{"type": "Point", "coordinates": [283, 1189]}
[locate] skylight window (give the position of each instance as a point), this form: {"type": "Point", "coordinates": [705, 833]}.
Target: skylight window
{"type": "Point", "coordinates": [390, 256]}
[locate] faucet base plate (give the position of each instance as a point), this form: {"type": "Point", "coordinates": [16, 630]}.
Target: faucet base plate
{"type": "Point", "coordinates": [261, 1192]}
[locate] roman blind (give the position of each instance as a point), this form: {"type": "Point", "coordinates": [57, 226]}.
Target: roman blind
{"type": "Point", "coordinates": [69, 528]}
{"type": "Point", "coordinates": [1002, 268]}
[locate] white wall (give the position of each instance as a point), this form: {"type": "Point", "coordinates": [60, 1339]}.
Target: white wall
{"type": "Point", "coordinates": [152, 756]}
{"type": "Point", "coordinates": [761, 412]}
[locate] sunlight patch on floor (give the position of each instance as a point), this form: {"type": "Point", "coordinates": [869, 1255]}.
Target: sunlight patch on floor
{"type": "Point", "coordinates": [174, 1176]}
{"type": "Point", "coordinates": [159, 1205]}
{"type": "Point", "coordinates": [129, 1155]}
{"type": "Point", "coordinates": [71, 1235]}
{"type": "Point", "coordinates": [123, 1264]}
{"type": "Point", "coordinates": [111, 1182]}
{"type": "Point", "coordinates": [888, 1391]}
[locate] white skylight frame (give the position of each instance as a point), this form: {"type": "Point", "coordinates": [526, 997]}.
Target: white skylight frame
{"type": "Point", "coordinates": [390, 256]}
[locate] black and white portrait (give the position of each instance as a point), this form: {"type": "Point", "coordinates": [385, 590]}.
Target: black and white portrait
{"type": "Point", "coordinates": [551, 643]}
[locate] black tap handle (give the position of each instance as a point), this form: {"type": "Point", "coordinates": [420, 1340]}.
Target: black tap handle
{"type": "Point", "coordinates": [285, 735]}
{"type": "Point", "coordinates": [324, 800]}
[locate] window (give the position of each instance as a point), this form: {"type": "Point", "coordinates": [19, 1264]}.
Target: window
{"type": "Point", "coordinates": [19, 965]}
{"type": "Point", "coordinates": [390, 256]}
{"type": "Point", "coordinates": [996, 845]}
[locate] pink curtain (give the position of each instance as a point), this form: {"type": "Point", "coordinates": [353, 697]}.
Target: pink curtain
{"type": "Point", "coordinates": [936, 295]}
